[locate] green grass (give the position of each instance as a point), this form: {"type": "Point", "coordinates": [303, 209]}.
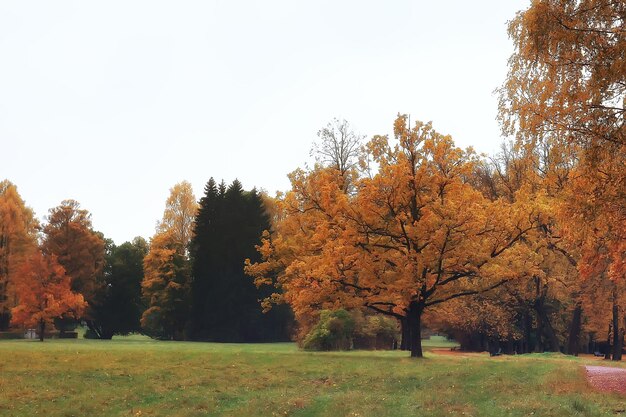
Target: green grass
{"type": "Point", "coordinates": [136, 376]}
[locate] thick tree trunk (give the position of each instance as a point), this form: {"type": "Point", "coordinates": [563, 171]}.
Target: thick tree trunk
{"type": "Point", "coordinates": [574, 331]}
{"type": "Point", "coordinates": [544, 327]}
{"type": "Point", "coordinates": [415, 317]}
{"type": "Point", "coordinates": [42, 329]}
{"type": "Point", "coordinates": [5, 319]}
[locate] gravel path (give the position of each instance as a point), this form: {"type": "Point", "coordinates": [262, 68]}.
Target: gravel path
{"type": "Point", "coordinates": [605, 378]}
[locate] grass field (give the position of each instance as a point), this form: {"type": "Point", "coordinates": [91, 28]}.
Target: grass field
{"type": "Point", "coordinates": [135, 376]}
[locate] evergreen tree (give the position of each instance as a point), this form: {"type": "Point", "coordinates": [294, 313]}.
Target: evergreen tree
{"type": "Point", "coordinates": [118, 307]}
{"type": "Point", "coordinates": [204, 258]}
{"type": "Point", "coordinates": [226, 305]}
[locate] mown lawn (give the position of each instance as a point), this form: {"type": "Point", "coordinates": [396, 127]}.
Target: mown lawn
{"type": "Point", "coordinates": [139, 377]}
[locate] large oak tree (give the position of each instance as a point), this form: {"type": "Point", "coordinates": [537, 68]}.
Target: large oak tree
{"type": "Point", "coordinates": [414, 235]}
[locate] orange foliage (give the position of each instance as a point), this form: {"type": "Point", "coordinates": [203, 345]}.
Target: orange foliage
{"type": "Point", "coordinates": [414, 235]}
{"type": "Point", "coordinates": [165, 287]}
{"type": "Point", "coordinates": [70, 237]}
{"type": "Point", "coordinates": [44, 293]}
{"type": "Point", "coordinates": [18, 239]}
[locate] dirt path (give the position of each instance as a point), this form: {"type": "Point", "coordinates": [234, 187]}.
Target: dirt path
{"type": "Point", "coordinates": [458, 353]}
{"type": "Point", "coordinates": [605, 378]}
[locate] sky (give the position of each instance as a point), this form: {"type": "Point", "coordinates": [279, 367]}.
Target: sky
{"type": "Point", "coordinates": [112, 103]}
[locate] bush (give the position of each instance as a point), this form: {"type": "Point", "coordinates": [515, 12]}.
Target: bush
{"type": "Point", "coordinates": [375, 332]}
{"type": "Point", "coordinates": [90, 334]}
{"type": "Point", "coordinates": [18, 334]}
{"type": "Point", "coordinates": [333, 332]}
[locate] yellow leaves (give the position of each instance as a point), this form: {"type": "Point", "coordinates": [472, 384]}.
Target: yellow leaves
{"type": "Point", "coordinates": [180, 211]}
{"type": "Point", "coordinates": [166, 280]}
{"type": "Point", "coordinates": [416, 230]}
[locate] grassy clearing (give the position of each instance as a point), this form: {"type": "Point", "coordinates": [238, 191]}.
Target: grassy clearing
{"type": "Point", "coordinates": [139, 377]}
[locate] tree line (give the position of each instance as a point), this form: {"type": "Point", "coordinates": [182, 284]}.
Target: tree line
{"type": "Point", "coordinates": [522, 251]}
{"type": "Point", "coordinates": [187, 283]}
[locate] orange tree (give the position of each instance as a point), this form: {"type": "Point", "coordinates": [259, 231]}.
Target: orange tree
{"type": "Point", "coordinates": [69, 236]}
{"type": "Point", "coordinates": [167, 270]}
{"type": "Point", "coordinates": [566, 88]}
{"type": "Point", "coordinates": [44, 293]}
{"type": "Point", "coordinates": [414, 234]}
{"type": "Point", "coordinates": [18, 239]}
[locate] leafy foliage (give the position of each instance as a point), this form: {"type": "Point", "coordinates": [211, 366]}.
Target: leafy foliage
{"type": "Point", "coordinates": [18, 239]}
{"type": "Point", "coordinates": [166, 288]}
{"type": "Point", "coordinates": [44, 293]}
{"type": "Point", "coordinates": [414, 235]}
{"type": "Point", "coordinates": [69, 236]}
{"type": "Point", "coordinates": [167, 270]}
{"type": "Point", "coordinates": [333, 332]}
{"type": "Point", "coordinates": [119, 306]}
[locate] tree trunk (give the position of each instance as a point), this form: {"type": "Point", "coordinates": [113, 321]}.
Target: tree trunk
{"type": "Point", "coordinates": [528, 327]}
{"type": "Point", "coordinates": [42, 329]}
{"type": "Point", "coordinates": [415, 317]}
{"type": "Point", "coordinates": [617, 339]}
{"type": "Point", "coordinates": [590, 344]}
{"type": "Point", "coordinates": [545, 327]}
{"type": "Point", "coordinates": [607, 354]}
{"type": "Point", "coordinates": [574, 331]}
{"type": "Point", "coordinates": [538, 334]}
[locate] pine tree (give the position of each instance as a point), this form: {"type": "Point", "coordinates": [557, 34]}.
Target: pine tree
{"type": "Point", "coordinates": [229, 224]}
{"type": "Point", "coordinates": [204, 259]}
{"type": "Point", "coordinates": [118, 308]}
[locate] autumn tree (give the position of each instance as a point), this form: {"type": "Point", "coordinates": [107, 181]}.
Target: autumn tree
{"type": "Point", "coordinates": [44, 294]}
{"type": "Point", "coordinates": [179, 214]}
{"type": "Point", "coordinates": [566, 88]}
{"type": "Point", "coordinates": [566, 76]}
{"type": "Point", "coordinates": [225, 301]}
{"type": "Point", "coordinates": [415, 235]}
{"type": "Point", "coordinates": [18, 239]}
{"type": "Point", "coordinates": [167, 269]}
{"type": "Point", "coordinates": [69, 236]}
{"type": "Point", "coordinates": [165, 287]}
{"type": "Point", "coordinates": [482, 322]}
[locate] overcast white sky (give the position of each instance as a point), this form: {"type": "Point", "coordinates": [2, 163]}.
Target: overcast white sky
{"type": "Point", "coordinates": [112, 103]}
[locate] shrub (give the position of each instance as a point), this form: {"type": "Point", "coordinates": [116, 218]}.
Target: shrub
{"type": "Point", "coordinates": [375, 332]}
{"type": "Point", "coordinates": [17, 334]}
{"type": "Point", "coordinates": [332, 332]}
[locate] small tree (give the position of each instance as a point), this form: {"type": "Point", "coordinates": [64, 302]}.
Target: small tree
{"type": "Point", "coordinates": [44, 293]}
{"type": "Point", "coordinates": [165, 287]}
